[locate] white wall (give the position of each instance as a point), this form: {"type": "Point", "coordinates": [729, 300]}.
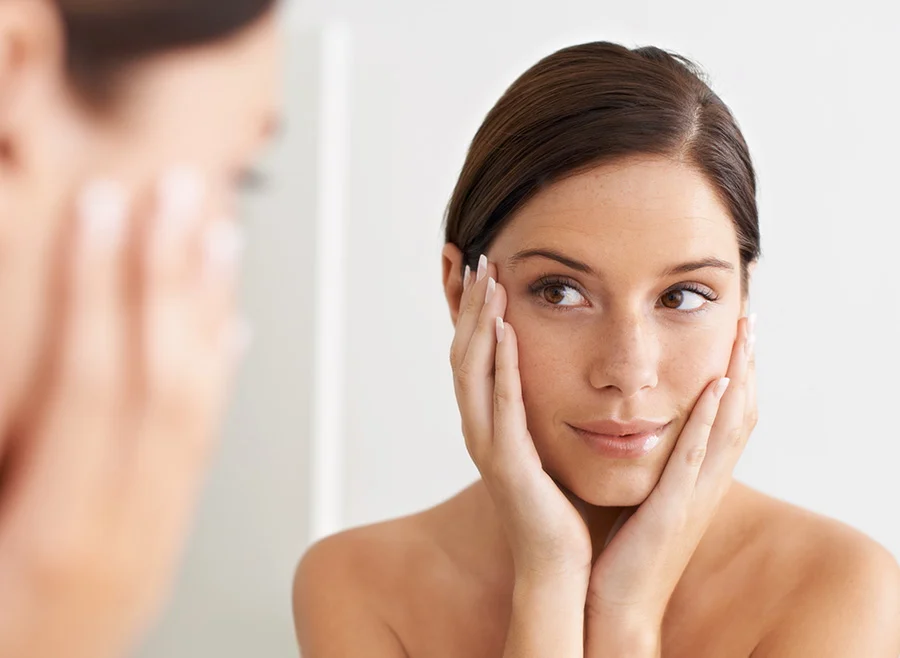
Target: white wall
{"type": "Point", "coordinates": [370, 406]}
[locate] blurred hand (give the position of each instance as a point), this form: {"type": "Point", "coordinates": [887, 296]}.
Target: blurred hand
{"type": "Point", "coordinates": [102, 468]}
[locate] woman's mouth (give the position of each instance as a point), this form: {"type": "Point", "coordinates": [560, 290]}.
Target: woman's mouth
{"type": "Point", "coordinates": [621, 440]}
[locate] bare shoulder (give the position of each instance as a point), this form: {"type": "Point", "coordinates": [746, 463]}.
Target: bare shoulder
{"type": "Point", "coordinates": [839, 589]}
{"type": "Point", "coordinates": [349, 585]}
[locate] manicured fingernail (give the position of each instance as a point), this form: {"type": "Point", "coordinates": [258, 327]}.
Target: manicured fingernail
{"type": "Point", "coordinates": [102, 211]}
{"type": "Point", "coordinates": [482, 268]}
{"type": "Point", "coordinates": [466, 278]}
{"type": "Point", "coordinates": [501, 329]}
{"type": "Point", "coordinates": [721, 387]}
{"type": "Point", "coordinates": [181, 191]}
{"type": "Point", "coordinates": [223, 248]}
{"type": "Point", "coordinates": [751, 334]}
{"type": "Point", "coordinates": [491, 289]}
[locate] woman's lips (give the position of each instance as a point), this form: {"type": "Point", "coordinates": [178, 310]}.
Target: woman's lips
{"type": "Point", "coordinates": [617, 446]}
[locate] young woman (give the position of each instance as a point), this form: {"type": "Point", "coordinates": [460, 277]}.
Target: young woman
{"type": "Point", "coordinates": [600, 246]}
{"type": "Point", "coordinates": [124, 129]}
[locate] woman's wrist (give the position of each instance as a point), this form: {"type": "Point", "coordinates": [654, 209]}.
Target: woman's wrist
{"type": "Point", "coordinates": [613, 636]}
{"type": "Point", "coordinates": [547, 617]}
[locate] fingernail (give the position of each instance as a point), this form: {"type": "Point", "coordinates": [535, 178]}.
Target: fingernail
{"type": "Point", "coordinates": [180, 192]}
{"type": "Point", "coordinates": [102, 211]}
{"type": "Point", "coordinates": [491, 289]}
{"type": "Point", "coordinates": [751, 334]}
{"type": "Point", "coordinates": [466, 278]}
{"type": "Point", "coordinates": [223, 246]}
{"type": "Point", "coordinates": [482, 268]}
{"type": "Point", "coordinates": [721, 387]}
{"type": "Point", "coordinates": [501, 329]}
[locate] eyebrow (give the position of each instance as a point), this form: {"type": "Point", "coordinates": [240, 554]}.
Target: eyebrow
{"type": "Point", "coordinates": [682, 268]}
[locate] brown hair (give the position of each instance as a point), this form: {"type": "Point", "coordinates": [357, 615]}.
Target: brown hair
{"type": "Point", "coordinates": [591, 104]}
{"type": "Point", "coordinates": [103, 37]}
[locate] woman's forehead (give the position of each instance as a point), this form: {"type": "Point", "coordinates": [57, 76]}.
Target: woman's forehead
{"type": "Point", "coordinates": [646, 205]}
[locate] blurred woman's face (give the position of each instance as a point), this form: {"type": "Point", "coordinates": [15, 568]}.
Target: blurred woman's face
{"type": "Point", "coordinates": [208, 109]}
{"type": "Point", "coordinates": [624, 288]}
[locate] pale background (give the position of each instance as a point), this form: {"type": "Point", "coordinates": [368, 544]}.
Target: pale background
{"type": "Point", "coordinates": [345, 413]}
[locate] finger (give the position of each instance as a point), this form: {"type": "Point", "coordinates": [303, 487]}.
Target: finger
{"type": "Point", "coordinates": [185, 316]}
{"type": "Point", "coordinates": [470, 306]}
{"type": "Point", "coordinates": [728, 435]}
{"type": "Point", "coordinates": [67, 466]}
{"type": "Point", "coordinates": [223, 247]}
{"type": "Point", "coordinates": [679, 478]}
{"type": "Point", "coordinates": [510, 434]}
{"type": "Point", "coordinates": [751, 410]}
{"type": "Point", "coordinates": [474, 378]}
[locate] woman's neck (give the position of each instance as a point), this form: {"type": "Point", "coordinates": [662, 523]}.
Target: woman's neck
{"type": "Point", "coordinates": [602, 523]}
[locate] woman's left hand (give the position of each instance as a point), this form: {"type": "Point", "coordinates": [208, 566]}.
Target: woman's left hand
{"type": "Point", "coordinates": [637, 572]}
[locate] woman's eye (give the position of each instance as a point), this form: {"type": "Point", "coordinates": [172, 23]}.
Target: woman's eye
{"type": "Point", "coordinates": [683, 300]}
{"type": "Point", "coordinates": [558, 294]}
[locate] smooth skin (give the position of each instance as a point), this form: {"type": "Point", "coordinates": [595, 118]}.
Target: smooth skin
{"type": "Point", "coordinates": [601, 320]}
{"type": "Point", "coordinates": [119, 259]}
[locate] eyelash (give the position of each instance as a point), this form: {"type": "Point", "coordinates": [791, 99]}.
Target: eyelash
{"type": "Point", "coordinates": [550, 281]}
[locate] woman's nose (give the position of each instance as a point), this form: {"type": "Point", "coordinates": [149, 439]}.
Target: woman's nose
{"type": "Point", "coordinates": [626, 358]}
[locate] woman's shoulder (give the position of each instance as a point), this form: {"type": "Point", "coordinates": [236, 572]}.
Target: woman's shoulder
{"type": "Point", "coordinates": [369, 557]}
{"type": "Point", "coordinates": [362, 579]}
{"type": "Point", "coordinates": [833, 583]}
{"type": "Point", "coordinates": [799, 533]}
{"type": "Point", "coordinates": [382, 561]}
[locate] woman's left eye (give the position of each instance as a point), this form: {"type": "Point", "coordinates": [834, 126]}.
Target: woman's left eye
{"type": "Point", "coordinates": [683, 299]}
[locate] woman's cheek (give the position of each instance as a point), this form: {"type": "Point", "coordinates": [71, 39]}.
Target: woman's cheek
{"type": "Point", "coordinates": [543, 361]}
{"type": "Point", "coordinates": [694, 362]}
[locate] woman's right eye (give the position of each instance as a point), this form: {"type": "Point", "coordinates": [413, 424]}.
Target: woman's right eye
{"type": "Point", "coordinates": [559, 294]}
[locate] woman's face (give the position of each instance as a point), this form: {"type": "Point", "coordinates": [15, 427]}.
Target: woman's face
{"type": "Point", "coordinates": [209, 108]}
{"type": "Point", "coordinates": [625, 290]}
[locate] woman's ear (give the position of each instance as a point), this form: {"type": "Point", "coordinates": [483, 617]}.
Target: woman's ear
{"type": "Point", "coordinates": [452, 263]}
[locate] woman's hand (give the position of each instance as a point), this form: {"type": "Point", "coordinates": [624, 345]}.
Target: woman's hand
{"type": "Point", "coordinates": [547, 535]}
{"type": "Point", "coordinates": [102, 467]}
{"type": "Point", "coordinates": [636, 573]}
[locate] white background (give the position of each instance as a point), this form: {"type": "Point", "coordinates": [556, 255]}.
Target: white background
{"type": "Point", "coordinates": [349, 418]}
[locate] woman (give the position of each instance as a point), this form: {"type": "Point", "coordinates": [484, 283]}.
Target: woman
{"type": "Point", "coordinates": [600, 246]}
{"type": "Point", "coordinates": [124, 131]}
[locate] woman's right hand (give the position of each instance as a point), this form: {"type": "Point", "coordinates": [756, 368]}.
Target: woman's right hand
{"type": "Point", "coordinates": [547, 535]}
{"type": "Point", "coordinates": [102, 467]}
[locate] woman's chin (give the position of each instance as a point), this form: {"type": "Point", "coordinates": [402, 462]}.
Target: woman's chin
{"type": "Point", "coordinates": [609, 488]}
